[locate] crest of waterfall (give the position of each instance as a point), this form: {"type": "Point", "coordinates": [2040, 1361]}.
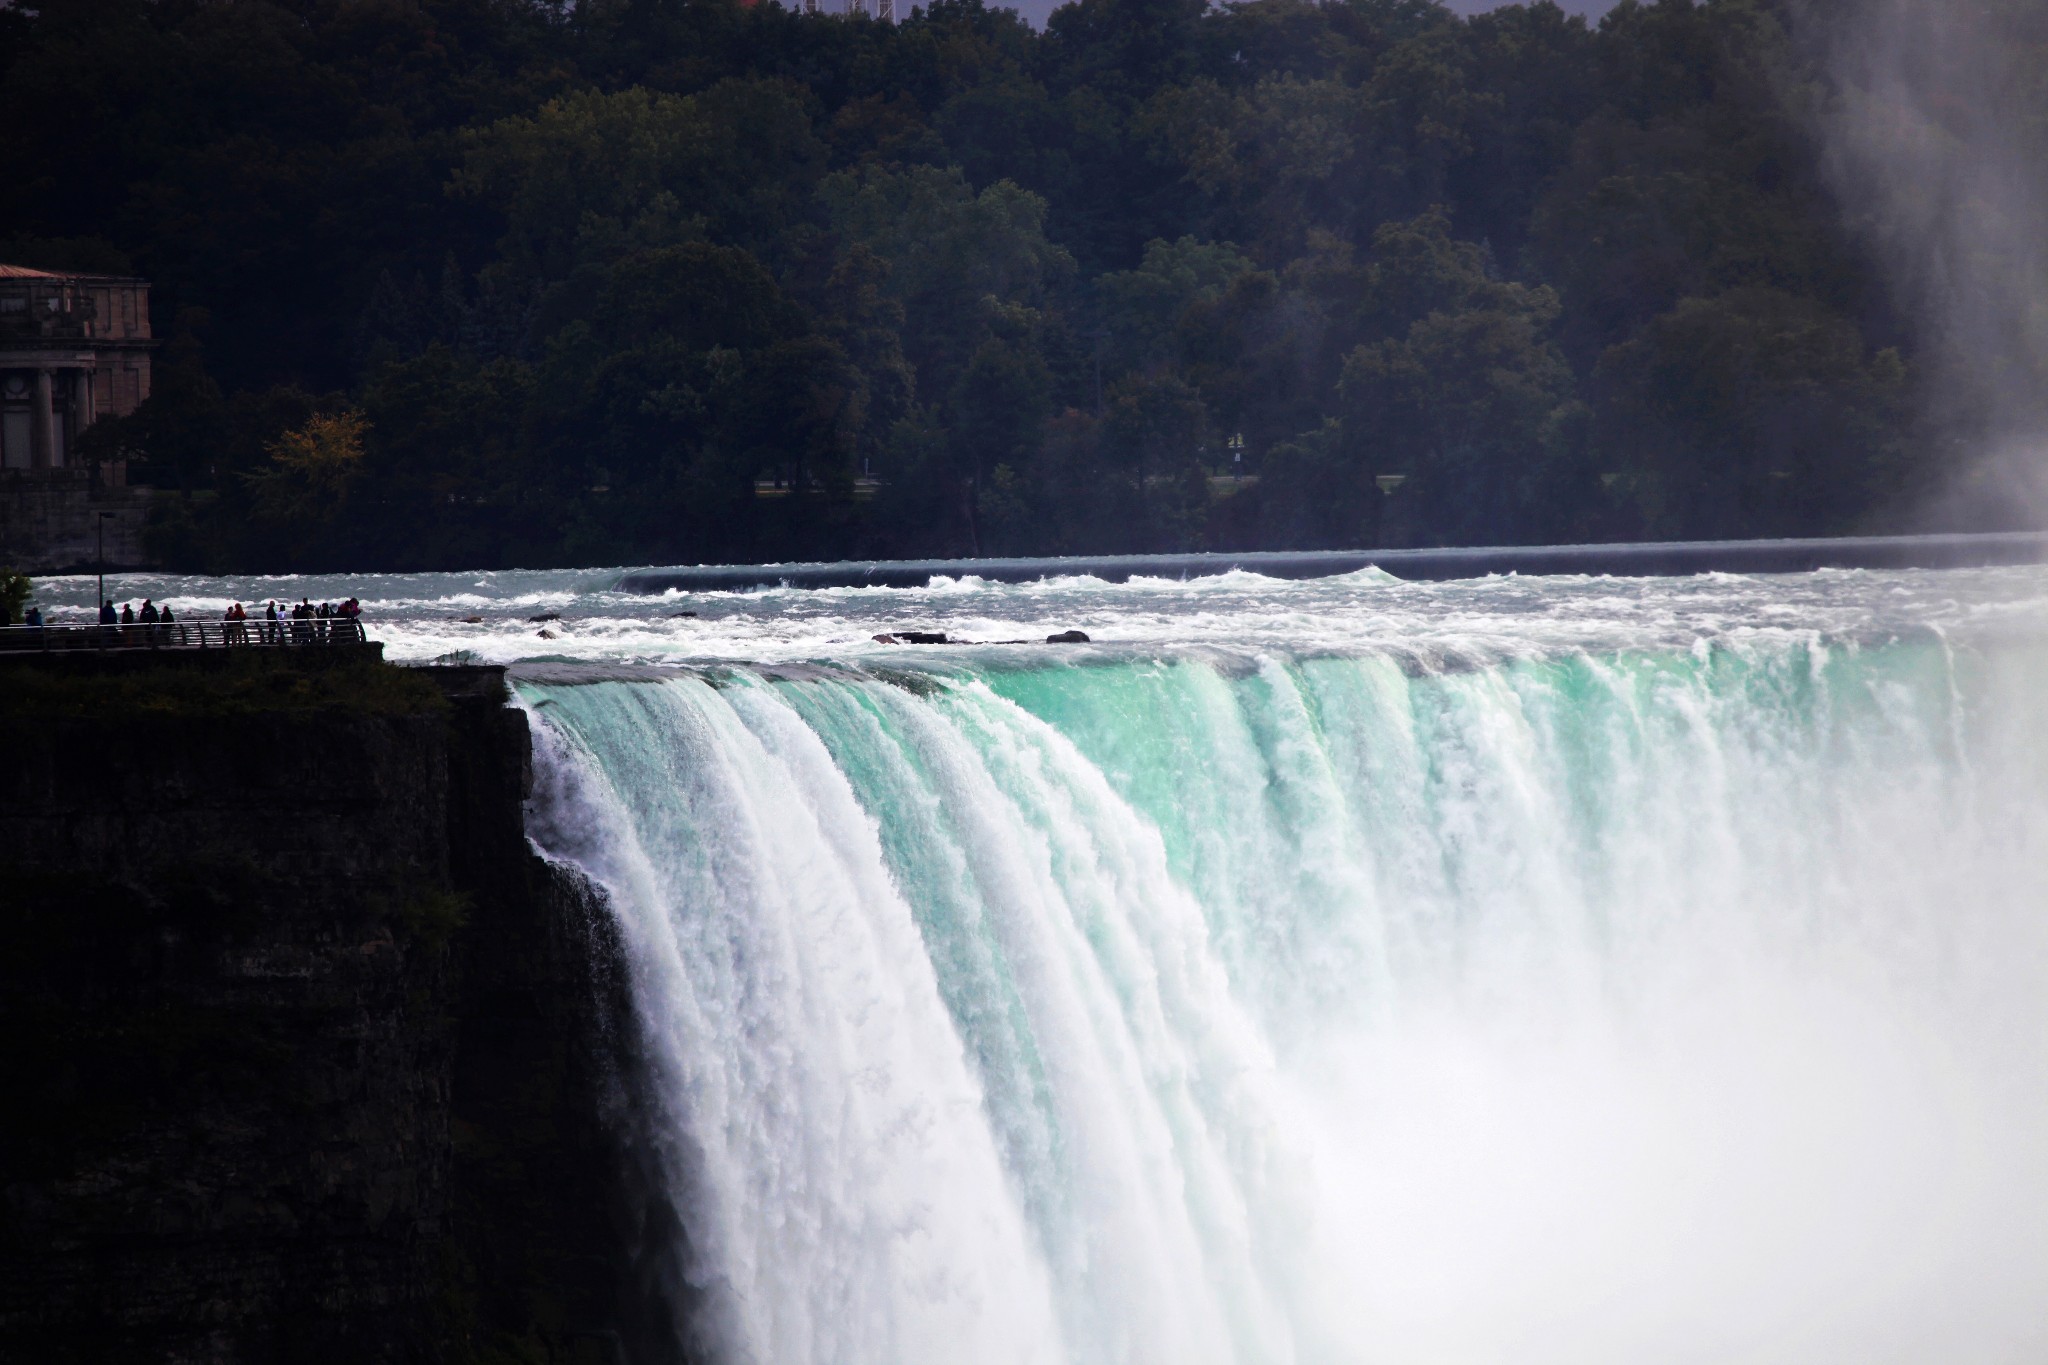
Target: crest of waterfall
{"type": "Point", "coordinates": [1468, 1004]}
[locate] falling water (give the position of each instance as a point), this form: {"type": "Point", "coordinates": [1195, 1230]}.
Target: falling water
{"type": "Point", "coordinates": [1504, 995]}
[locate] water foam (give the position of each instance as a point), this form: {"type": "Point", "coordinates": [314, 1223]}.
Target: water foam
{"type": "Point", "coordinates": [1449, 1002]}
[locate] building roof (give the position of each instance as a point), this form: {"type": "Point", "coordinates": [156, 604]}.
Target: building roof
{"type": "Point", "coordinates": [24, 272]}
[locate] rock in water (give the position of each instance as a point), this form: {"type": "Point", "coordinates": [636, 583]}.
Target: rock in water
{"type": "Point", "coordinates": [1067, 637]}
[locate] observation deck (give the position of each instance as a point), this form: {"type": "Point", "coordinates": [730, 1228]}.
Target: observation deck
{"type": "Point", "coordinates": [183, 637]}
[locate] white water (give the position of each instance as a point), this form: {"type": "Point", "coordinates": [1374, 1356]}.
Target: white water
{"type": "Point", "coordinates": [488, 616]}
{"type": "Point", "coordinates": [1519, 971]}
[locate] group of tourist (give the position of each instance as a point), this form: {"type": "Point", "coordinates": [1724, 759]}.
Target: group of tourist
{"type": "Point", "coordinates": [150, 615]}
{"type": "Point", "coordinates": [307, 621]}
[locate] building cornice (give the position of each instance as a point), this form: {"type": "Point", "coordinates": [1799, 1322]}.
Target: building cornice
{"type": "Point", "coordinates": [45, 359]}
{"type": "Point", "coordinates": [13, 348]}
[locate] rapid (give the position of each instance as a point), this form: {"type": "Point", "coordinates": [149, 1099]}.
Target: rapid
{"type": "Point", "coordinates": [1518, 970]}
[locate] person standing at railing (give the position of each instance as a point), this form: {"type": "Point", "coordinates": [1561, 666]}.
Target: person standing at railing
{"type": "Point", "coordinates": [270, 622]}
{"type": "Point", "coordinates": [33, 617]}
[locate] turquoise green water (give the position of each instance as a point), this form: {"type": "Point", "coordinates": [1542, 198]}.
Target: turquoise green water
{"type": "Point", "coordinates": [1178, 1003]}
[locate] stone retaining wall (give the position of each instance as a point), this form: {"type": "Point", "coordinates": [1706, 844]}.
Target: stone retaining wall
{"type": "Point", "coordinates": [49, 521]}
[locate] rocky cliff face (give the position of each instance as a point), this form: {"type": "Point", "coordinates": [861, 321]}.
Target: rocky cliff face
{"type": "Point", "coordinates": [306, 1056]}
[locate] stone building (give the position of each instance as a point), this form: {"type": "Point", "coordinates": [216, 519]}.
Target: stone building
{"type": "Point", "coordinates": [72, 348]}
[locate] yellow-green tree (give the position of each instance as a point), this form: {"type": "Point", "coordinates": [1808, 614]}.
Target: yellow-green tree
{"type": "Point", "coordinates": [312, 468]}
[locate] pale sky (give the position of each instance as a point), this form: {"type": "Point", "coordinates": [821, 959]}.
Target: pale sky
{"type": "Point", "coordinates": [1036, 10]}
{"type": "Point", "coordinates": [1592, 9]}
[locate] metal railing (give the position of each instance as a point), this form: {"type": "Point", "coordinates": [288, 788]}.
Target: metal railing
{"type": "Point", "coordinates": [280, 634]}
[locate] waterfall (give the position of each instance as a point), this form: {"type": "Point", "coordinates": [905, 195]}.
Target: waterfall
{"type": "Point", "coordinates": [1481, 1005]}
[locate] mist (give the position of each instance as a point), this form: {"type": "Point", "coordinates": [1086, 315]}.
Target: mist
{"type": "Point", "coordinates": [1933, 138]}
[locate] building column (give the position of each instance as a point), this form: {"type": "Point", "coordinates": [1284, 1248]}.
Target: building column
{"type": "Point", "coordinates": [42, 424]}
{"type": "Point", "coordinates": [83, 411]}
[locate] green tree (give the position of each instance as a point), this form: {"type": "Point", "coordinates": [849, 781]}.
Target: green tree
{"type": "Point", "coordinates": [1756, 412]}
{"type": "Point", "coordinates": [1463, 395]}
{"type": "Point", "coordinates": [16, 592]}
{"type": "Point", "coordinates": [997, 409]}
{"type": "Point", "coordinates": [591, 275]}
{"type": "Point", "coordinates": [592, 175]}
{"type": "Point", "coordinates": [1155, 431]}
{"type": "Point", "coordinates": [1144, 307]}
{"type": "Point", "coordinates": [958, 260]}
{"type": "Point", "coordinates": [1471, 406]}
{"type": "Point", "coordinates": [450, 453]}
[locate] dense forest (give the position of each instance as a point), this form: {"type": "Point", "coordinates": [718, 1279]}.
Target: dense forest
{"type": "Point", "coordinates": [467, 283]}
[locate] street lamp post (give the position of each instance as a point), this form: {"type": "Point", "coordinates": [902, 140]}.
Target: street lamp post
{"type": "Point", "coordinates": [100, 601]}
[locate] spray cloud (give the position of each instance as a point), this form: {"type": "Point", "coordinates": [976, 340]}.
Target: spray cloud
{"type": "Point", "coordinates": [1935, 138]}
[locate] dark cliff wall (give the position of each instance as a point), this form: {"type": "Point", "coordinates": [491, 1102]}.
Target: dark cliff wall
{"type": "Point", "coordinates": [305, 1055]}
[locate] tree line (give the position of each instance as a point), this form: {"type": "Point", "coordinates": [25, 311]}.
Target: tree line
{"type": "Point", "coordinates": [469, 283]}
